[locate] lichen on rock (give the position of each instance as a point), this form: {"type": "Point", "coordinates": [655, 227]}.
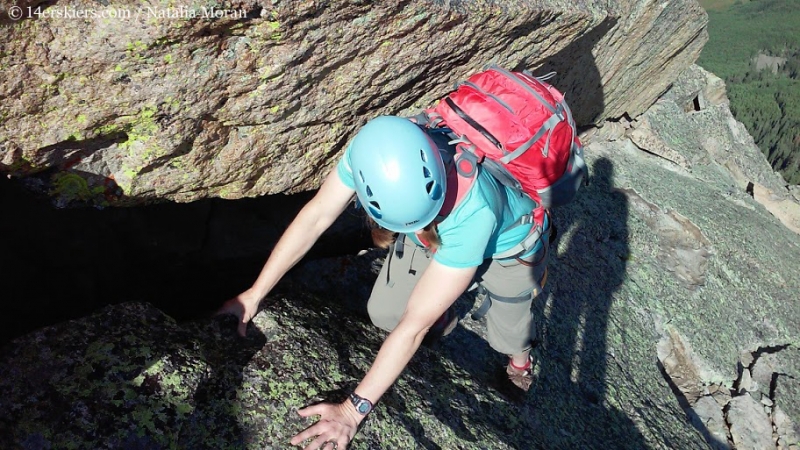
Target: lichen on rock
{"type": "Point", "coordinates": [263, 100]}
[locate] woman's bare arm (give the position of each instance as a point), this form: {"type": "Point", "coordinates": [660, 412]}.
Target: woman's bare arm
{"type": "Point", "coordinates": [315, 217]}
{"type": "Point", "coordinates": [438, 288]}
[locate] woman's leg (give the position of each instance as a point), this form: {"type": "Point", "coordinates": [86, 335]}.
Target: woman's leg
{"type": "Point", "coordinates": [403, 267]}
{"type": "Point", "coordinates": [512, 287]}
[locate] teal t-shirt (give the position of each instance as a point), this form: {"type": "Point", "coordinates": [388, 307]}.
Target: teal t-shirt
{"type": "Point", "coordinates": [479, 226]}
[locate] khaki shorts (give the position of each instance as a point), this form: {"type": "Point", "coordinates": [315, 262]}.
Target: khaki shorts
{"type": "Point", "coordinates": [511, 285]}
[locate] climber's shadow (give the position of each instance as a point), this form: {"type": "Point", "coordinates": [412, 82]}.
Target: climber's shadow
{"type": "Point", "coordinates": [588, 266]}
{"type": "Point", "coordinates": [567, 405]}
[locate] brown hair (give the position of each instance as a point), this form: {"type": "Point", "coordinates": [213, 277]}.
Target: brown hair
{"type": "Point", "coordinates": [383, 238]}
{"type": "Point", "coordinates": [430, 236]}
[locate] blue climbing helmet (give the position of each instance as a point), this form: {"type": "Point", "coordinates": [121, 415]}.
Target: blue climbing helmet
{"type": "Point", "coordinates": [399, 174]}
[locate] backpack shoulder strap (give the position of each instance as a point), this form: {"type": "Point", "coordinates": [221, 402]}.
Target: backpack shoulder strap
{"type": "Point", "coordinates": [459, 181]}
{"type": "Point", "coordinates": [457, 188]}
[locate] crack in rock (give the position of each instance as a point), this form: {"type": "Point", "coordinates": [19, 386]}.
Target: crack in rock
{"type": "Point", "coordinates": [746, 415]}
{"type": "Point", "coordinates": [645, 139]}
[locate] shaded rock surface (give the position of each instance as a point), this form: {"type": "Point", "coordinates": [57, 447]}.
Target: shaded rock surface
{"type": "Point", "coordinates": [261, 101]}
{"type": "Point", "coordinates": [193, 255]}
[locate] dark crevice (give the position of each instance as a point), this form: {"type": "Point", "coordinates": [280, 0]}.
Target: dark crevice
{"type": "Point", "coordinates": [696, 103]}
{"type": "Point", "coordinates": [737, 383]}
{"type": "Point", "coordinates": [255, 13]}
{"type": "Point", "coordinates": [773, 385]}
{"type": "Point", "coordinates": [725, 410]}
{"type": "Point", "coordinates": [625, 116]}
{"type": "Point", "coordinates": [767, 350]}
{"type": "Point", "coordinates": [679, 395]}
{"type": "Point", "coordinates": [652, 153]}
{"type": "Point", "coordinates": [758, 353]}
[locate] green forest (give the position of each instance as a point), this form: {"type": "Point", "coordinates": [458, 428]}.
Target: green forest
{"type": "Point", "coordinates": [765, 99]}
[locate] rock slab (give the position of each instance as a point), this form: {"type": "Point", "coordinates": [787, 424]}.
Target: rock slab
{"type": "Point", "coordinates": [154, 105]}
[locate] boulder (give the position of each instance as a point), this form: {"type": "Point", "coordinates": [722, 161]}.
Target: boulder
{"type": "Point", "coordinates": [751, 428]}
{"type": "Point", "coordinates": [155, 100]}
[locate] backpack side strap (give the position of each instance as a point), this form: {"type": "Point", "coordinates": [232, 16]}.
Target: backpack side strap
{"type": "Point", "coordinates": [526, 244]}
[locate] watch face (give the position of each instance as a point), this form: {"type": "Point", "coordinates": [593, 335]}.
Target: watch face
{"type": "Point", "coordinates": [362, 405]}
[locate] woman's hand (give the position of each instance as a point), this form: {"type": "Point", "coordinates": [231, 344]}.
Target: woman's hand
{"type": "Point", "coordinates": [244, 306]}
{"type": "Point", "coordinates": [335, 428]}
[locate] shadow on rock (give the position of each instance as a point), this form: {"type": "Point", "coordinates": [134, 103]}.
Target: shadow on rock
{"type": "Point", "coordinates": [125, 377]}
{"type": "Point", "coordinates": [215, 421]}
{"type": "Point", "coordinates": [577, 76]}
{"type": "Point", "coordinates": [570, 392]}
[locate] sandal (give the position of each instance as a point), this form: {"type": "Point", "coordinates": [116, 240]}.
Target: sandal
{"type": "Point", "coordinates": [521, 377]}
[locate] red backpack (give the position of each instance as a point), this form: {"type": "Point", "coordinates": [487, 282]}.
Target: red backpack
{"type": "Point", "coordinates": [519, 128]}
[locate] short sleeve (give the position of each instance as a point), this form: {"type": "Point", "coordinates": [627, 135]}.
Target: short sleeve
{"type": "Point", "coordinates": [465, 245]}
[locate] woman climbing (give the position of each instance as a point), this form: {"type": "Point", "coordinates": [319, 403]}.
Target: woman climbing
{"type": "Point", "coordinates": [402, 175]}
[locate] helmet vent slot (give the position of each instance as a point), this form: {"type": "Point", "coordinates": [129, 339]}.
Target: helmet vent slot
{"type": "Point", "coordinates": [376, 205]}
{"type": "Point", "coordinates": [434, 190]}
{"type": "Point", "coordinates": [361, 174]}
{"type": "Point", "coordinates": [425, 172]}
{"type": "Point", "coordinates": [422, 155]}
{"type": "Point", "coordinates": [375, 213]}
{"type": "Point", "coordinates": [369, 192]}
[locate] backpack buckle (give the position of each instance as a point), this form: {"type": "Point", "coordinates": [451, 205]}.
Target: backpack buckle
{"type": "Point", "coordinates": [466, 163]}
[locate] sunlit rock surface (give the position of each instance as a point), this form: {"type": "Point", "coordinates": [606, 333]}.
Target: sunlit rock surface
{"type": "Point", "coordinates": [154, 105]}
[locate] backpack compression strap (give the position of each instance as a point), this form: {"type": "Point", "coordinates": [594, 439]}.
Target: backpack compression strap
{"type": "Point", "coordinates": [560, 112]}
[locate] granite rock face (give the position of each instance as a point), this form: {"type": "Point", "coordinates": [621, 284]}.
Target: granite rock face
{"type": "Point", "coordinates": [734, 400]}
{"type": "Point", "coordinates": [638, 349]}
{"type": "Point", "coordinates": [692, 125]}
{"type": "Point", "coordinates": [143, 102]}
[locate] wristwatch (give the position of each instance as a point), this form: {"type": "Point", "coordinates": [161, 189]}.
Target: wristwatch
{"type": "Point", "coordinates": [363, 406]}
